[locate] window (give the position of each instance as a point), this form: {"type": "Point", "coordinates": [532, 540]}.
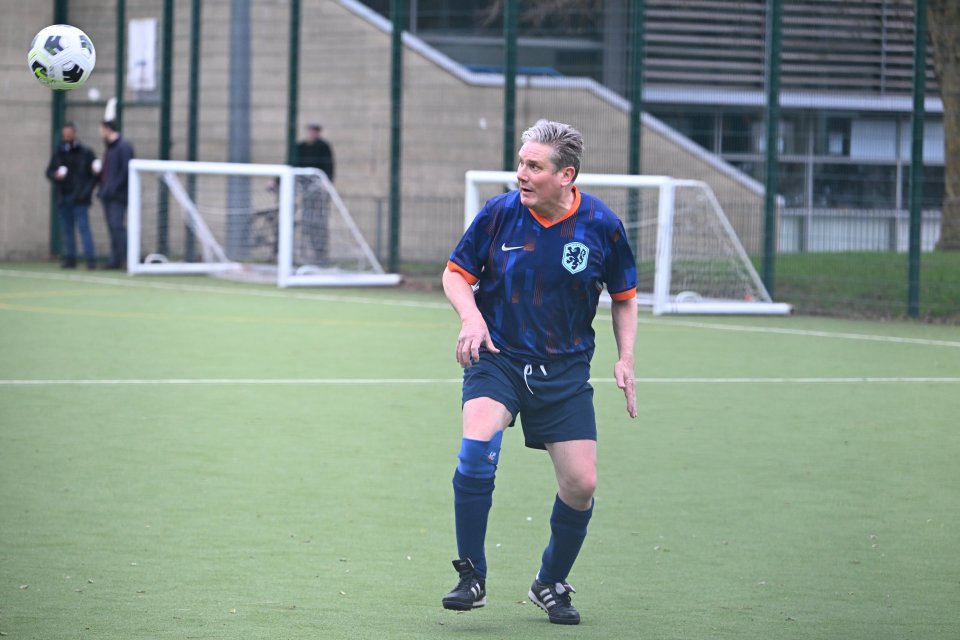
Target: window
{"type": "Point", "coordinates": [792, 183]}
{"type": "Point", "coordinates": [699, 127]}
{"type": "Point", "coordinates": [932, 187]}
{"type": "Point", "coordinates": [738, 131]}
{"type": "Point", "coordinates": [860, 186]}
{"type": "Point", "coordinates": [832, 137]}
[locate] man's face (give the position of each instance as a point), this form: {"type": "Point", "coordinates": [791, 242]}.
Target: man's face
{"type": "Point", "coordinates": [541, 182]}
{"type": "Point", "coordinates": [313, 134]}
{"type": "Point", "coordinates": [68, 135]}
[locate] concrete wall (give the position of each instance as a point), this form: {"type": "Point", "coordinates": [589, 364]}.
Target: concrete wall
{"type": "Point", "coordinates": [25, 114]}
{"type": "Point", "coordinates": [449, 126]}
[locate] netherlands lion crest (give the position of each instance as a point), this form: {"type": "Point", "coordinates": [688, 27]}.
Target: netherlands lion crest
{"type": "Point", "coordinates": [575, 256]}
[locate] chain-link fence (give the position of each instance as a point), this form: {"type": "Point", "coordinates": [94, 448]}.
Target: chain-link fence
{"type": "Point", "coordinates": [843, 226]}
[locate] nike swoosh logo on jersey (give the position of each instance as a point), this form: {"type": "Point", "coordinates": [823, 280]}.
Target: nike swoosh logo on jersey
{"type": "Point", "coordinates": [504, 247]}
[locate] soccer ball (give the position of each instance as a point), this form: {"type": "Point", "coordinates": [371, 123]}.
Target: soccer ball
{"type": "Point", "coordinates": [61, 57]}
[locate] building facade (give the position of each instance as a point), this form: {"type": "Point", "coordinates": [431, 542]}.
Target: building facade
{"type": "Point", "coordinates": [846, 86]}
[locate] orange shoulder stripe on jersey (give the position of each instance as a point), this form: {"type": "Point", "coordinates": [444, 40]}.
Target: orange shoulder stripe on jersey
{"type": "Point", "coordinates": [572, 210]}
{"type": "Point", "coordinates": [624, 295]}
{"type": "Point", "coordinates": [469, 277]}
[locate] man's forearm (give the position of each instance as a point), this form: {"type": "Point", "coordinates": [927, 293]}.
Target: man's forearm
{"type": "Point", "coordinates": [460, 294]}
{"type": "Point", "coordinates": [625, 327]}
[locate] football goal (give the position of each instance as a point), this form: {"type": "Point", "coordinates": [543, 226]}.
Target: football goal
{"type": "Point", "coordinates": [253, 222]}
{"type": "Point", "coordinates": [689, 259]}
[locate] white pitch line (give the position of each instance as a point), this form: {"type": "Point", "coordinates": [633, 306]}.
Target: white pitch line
{"type": "Point", "coordinates": [847, 380]}
{"type": "Point", "coordinates": [234, 381]}
{"type": "Point", "coordinates": [806, 332]}
{"type": "Point", "coordinates": [429, 381]}
{"type": "Point", "coordinates": [285, 294]}
{"type": "Point", "coordinates": [388, 302]}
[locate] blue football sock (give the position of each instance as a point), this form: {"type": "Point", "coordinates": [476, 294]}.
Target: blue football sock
{"type": "Point", "coordinates": [472, 498]}
{"type": "Point", "coordinates": [568, 528]}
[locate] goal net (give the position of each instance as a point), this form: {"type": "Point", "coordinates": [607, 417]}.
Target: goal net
{"type": "Point", "coordinates": [252, 222]}
{"type": "Point", "coordinates": [689, 259]}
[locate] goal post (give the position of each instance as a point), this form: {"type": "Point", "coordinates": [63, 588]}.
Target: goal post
{"type": "Point", "coordinates": [251, 222]}
{"type": "Point", "coordinates": [689, 258]}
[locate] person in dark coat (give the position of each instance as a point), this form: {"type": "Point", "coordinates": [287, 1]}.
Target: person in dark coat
{"type": "Point", "coordinates": [72, 170]}
{"type": "Point", "coordinates": [317, 153]}
{"type": "Point", "coordinates": [113, 190]}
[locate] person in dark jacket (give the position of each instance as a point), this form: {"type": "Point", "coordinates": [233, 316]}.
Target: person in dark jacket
{"type": "Point", "coordinates": [113, 190]}
{"type": "Point", "coordinates": [316, 152]}
{"type": "Point", "coordinates": [72, 171]}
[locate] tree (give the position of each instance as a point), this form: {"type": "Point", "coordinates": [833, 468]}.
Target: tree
{"type": "Point", "coordinates": [943, 23]}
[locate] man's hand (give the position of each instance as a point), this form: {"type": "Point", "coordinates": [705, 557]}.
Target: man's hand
{"type": "Point", "coordinates": [623, 373]}
{"type": "Point", "coordinates": [473, 333]}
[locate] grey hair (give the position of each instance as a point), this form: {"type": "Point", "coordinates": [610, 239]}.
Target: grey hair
{"type": "Point", "coordinates": [566, 141]}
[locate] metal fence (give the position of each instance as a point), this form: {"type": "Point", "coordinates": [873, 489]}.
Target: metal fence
{"type": "Point", "coordinates": [409, 114]}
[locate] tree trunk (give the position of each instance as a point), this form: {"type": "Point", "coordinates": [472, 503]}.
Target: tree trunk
{"type": "Point", "coordinates": [943, 19]}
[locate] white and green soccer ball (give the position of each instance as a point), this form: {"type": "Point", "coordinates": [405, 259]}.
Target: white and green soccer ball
{"type": "Point", "coordinates": [61, 57]}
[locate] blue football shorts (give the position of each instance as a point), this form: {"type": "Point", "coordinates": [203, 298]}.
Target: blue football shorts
{"type": "Point", "coordinates": [554, 400]}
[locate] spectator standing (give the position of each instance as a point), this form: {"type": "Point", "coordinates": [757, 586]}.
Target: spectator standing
{"type": "Point", "coordinates": [317, 153]}
{"type": "Point", "coordinates": [113, 190]}
{"type": "Point", "coordinates": [72, 171]}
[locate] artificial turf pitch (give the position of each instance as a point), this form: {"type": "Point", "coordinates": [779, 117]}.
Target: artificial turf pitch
{"type": "Point", "coordinates": [188, 458]}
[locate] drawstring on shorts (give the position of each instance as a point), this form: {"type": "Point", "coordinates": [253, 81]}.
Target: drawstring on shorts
{"type": "Point", "coordinates": [527, 370]}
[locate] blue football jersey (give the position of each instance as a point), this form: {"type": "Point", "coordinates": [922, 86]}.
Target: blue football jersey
{"type": "Point", "coordinates": [539, 282]}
